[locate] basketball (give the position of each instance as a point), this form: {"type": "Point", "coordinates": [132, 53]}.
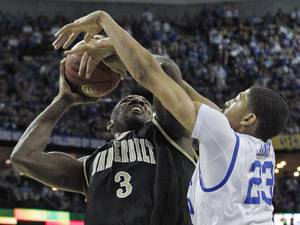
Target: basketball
{"type": "Point", "coordinates": [102, 81]}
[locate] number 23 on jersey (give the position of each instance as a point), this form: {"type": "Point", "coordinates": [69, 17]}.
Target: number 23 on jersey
{"type": "Point", "coordinates": [262, 183]}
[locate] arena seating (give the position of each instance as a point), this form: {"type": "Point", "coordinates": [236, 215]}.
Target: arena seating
{"type": "Point", "coordinates": [219, 54]}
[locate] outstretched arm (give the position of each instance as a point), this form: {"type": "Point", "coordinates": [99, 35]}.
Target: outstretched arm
{"type": "Point", "coordinates": [55, 169]}
{"type": "Point", "coordinates": [140, 63]}
{"type": "Point", "coordinates": [171, 68]}
{"type": "Point", "coordinates": [146, 70]}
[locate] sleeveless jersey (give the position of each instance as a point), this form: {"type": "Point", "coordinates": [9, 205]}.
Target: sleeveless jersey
{"type": "Point", "coordinates": [138, 178]}
{"type": "Point", "coordinates": [244, 193]}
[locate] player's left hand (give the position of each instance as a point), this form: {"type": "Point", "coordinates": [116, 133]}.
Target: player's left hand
{"type": "Point", "coordinates": [96, 50]}
{"type": "Point", "coordinates": [68, 33]}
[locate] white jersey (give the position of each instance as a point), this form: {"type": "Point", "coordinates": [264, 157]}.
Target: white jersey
{"type": "Point", "coordinates": [234, 177]}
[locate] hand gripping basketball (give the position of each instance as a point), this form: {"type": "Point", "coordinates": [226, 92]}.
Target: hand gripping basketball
{"type": "Point", "coordinates": [66, 93]}
{"type": "Point", "coordinates": [86, 58]}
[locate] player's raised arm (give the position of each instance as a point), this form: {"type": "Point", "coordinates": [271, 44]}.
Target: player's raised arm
{"type": "Point", "coordinates": [171, 68]}
{"type": "Point", "coordinates": [55, 169]}
{"type": "Point", "coordinates": [140, 63]}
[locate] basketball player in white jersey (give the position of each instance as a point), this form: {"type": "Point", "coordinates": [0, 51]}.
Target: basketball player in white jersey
{"type": "Point", "coordinates": [234, 178]}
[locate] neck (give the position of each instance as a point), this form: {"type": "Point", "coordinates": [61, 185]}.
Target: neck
{"type": "Point", "coordinates": [247, 130]}
{"type": "Point", "coordinates": [120, 134]}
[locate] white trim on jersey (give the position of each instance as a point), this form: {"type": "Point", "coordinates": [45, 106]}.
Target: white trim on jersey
{"type": "Point", "coordinates": [228, 173]}
{"type": "Point", "coordinates": [175, 145]}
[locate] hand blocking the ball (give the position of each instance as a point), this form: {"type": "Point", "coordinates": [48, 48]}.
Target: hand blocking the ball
{"type": "Point", "coordinates": [93, 48]}
{"type": "Point", "coordinates": [98, 49]}
{"type": "Point", "coordinates": [66, 93]}
{"type": "Point", "coordinates": [99, 60]}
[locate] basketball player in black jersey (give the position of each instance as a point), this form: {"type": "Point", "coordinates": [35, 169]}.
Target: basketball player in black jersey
{"type": "Point", "coordinates": [140, 177]}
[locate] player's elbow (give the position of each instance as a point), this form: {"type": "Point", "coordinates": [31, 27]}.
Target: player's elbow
{"type": "Point", "coordinates": [16, 159]}
{"type": "Point", "coordinates": [19, 161]}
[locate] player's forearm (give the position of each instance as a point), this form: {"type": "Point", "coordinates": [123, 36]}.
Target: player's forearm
{"type": "Point", "coordinates": [170, 68]}
{"type": "Point", "coordinates": [35, 138]}
{"type": "Point", "coordinates": [196, 97]}
{"type": "Point", "coordinates": [137, 59]}
{"type": "Point", "coordinates": [174, 72]}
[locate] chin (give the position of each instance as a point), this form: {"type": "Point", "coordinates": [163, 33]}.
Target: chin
{"type": "Point", "coordinates": [135, 122]}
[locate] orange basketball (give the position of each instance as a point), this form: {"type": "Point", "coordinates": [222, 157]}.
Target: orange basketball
{"type": "Point", "coordinates": [103, 80]}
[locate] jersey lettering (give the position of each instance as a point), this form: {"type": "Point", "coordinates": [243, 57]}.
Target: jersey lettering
{"type": "Point", "coordinates": [146, 157]}
{"type": "Point", "coordinates": [125, 151]}
{"type": "Point", "coordinates": [132, 155]}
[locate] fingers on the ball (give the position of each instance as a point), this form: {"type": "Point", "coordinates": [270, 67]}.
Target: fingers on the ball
{"type": "Point", "coordinates": [70, 40]}
{"type": "Point", "coordinates": [91, 65]}
{"type": "Point", "coordinates": [87, 37]}
{"type": "Point", "coordinates": [80, 48]}
{"type": "Point", "coordinates": [102, 43]}
{"type": "Point", "coordinates": [83, 63]}
{"type": "Point", "coordinates": [64, 29]}
{"type": "Point", "coordinates": [60, 41]}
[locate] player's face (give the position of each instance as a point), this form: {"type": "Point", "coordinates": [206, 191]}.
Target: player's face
{"type": "Point", "coordinates": [235, 109]}
{"type": "Point", "coordinates": [131, 112]}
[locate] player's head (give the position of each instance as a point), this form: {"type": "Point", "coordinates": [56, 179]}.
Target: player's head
{"type": "Point", "coordinates": [258, 111]}
{"type": "Point", "coordinates": [132, 112]}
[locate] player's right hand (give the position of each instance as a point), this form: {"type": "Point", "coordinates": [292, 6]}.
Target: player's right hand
{"type": "Point", "coordinates": [65, 93]}
{"type": "Point", "coordinates": [68, 33]}
{"type": "Point", "coordinates": [94, 51]}
{"type": "Point", "coordinates": [98, 49]}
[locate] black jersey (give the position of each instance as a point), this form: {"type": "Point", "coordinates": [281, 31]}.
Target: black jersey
{"type": "Point", "coordinates": [140, 178]}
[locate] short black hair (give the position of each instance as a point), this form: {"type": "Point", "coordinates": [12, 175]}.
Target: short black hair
{"type": "Point", "coordinates": [270, 109]}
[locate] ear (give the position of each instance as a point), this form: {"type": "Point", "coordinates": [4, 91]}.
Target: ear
{"type": "Point", "coordinates": [109, 125]}
{"type": "Point", "coordinates": [248, 120]}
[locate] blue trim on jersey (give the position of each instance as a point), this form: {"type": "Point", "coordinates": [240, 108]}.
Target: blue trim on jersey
{"type": "Point", "coordinates": [229, 171]}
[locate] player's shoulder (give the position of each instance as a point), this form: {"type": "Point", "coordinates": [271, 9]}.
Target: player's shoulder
{"type": "Point", "coordinates": [258, 146]}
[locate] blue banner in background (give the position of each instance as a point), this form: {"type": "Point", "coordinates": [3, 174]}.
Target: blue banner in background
{"type": "Point", "coordinates": [60, 140]}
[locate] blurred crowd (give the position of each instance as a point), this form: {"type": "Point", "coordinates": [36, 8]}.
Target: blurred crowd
{"type": "Point", "coordinates": [286, 193]}
{"type": "Point", "coordinates": [218, 52]}
{"type": "Point", "coordinates": [22, 192]}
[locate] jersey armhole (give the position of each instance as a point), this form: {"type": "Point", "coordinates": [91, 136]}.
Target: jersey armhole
{"type": "Point", "coordinates": [228, 173]}
{"type": "Point", "coordinates": [175, 145]}
{"type": "Point", "coordinates": [85, 172]}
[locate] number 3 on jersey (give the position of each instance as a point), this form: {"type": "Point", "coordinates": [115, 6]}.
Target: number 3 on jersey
{"type": "Point", "coordinates": [123, 178]}
{"type": "Point", "coordinates": [264, 170]}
